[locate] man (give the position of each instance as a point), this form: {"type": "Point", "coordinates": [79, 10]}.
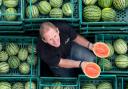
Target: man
{"type": "Point", "coordinates": [63, 49]}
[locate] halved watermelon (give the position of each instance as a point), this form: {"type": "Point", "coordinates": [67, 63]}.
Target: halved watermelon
{"type": "Point", "coordinates": [91, 70]}
{"type": "Point", "coordinates": [101, 49]}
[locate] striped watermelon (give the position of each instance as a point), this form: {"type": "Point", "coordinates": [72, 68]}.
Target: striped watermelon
{"type": "Point", "coordinates": [0, 2]}
{"type": "Point", "coordinates": [121, 61]}
{"type": "Point", "coordinates": [105, 85]}
{"type": "Point", "coordinates": [111, 49]}
{"type": "Point", "coordinates": [12, 49]}
{"type": "Point", "coordinates": [67, 9]}
{"type": "Point", "coordinates": [24, 68]}
{"type": "Point", "coordinates": [120, 46]}
{"type": "Point", "coordinates": [30, 84]}
{"type": "Point", "coordinates": [10, 14]}
{"type": "Point", "coordinates": [119, 4]}
{"type": "Point", "coordinates": [32, 11]}
{"type": "Point", "coordinates": [56, 3]}
{"type": "Point", "coordinates": [23, 54]}
{"type": "Point", "coordinates": [1, 46]}
{"type": "Point", "coordinates": [56, 13]}
{"type": "Point", "coordinates": [14, 62]}
{"type": "Point", "coordinates": [105, 64]}
{"type": "Point", "coordinates": [92, 13]}
{"type": "Point", "coordinates": [5, 85]}
{"type": "Point", "coordinates": [108, 14]}
{"type": "Point", "coordinates": [105, 3]}
{"type": "Point", "coordinates": [88, 86]}
{"type": "Point", "coordinates": [89, 2]}
{"type": "Point", "coordinates": [32, 59]}
{"type": "Point", "coordinates": [10, 3]}
{"type": "Point", "coordinates": [18, 85]}
{"type": "Point", "coordinates": [44, 7]}
{"type": "Point", "coordinates": [31, 49]}
{"type": "Point", "coordinates": [4, 67]}
{"type": "Point", "coordinates": [32, 1]}
{"type": "Point", "coordinates": [3, 56]}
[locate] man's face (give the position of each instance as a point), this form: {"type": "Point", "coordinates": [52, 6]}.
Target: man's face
{"type": "Point", "coordinates": [52, 37]}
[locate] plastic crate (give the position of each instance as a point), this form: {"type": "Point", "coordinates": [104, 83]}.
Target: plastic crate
{"type": "Point", "coordinates": [102, 78]}
{"type": "Point", "coordinates": [124, 81]}
{"type": "Point", "coordinates": [22, 42]}
{"type": "Point", "coordinates": [74, 17]}
{"type": "Point", "coordinates": [110, 38]}
{"type": "Point", "coordinates": [23, 80]}
{"type": "Point", "coordinates": [122, 17]}
{"type": "Point", "coordinates": [19, 15]}
{"type": "Point", "coordinates": [65, 82]}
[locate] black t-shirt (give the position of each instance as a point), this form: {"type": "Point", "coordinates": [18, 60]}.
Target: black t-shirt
{"type": "Point", "coordinates": [52, 55]}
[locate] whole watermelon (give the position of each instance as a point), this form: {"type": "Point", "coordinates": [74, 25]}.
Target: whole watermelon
{"type": "Point", "coordinates": [56, 13]}
{"type": "Point", "coordinates": [108, 14]}
{"type": "Point", "coordinates": [111, 49]}
{"type": "Point", "coordinates": [105, 3]}
{"type": "Point", "coordinates": [32, 1]}
{"type": "Point", "coordinates": [5, 85]}
{"type": "Point", "coordinates": [14, 62]}
{"type": "Point", "coordinates": [30, 84]}
{"type": "Point", "coordinates": [44, 7]}
{"type": "Point", "coordinates": [92, 13]}
{"type": "Point", "coordinates": [10, 14]}
{"type": "Point", "coordinates": [3, 56]}
{"type": "Point", "coordinates": [18, 85]}
{"type": "Point", "coordinates": [56, 3]}
{"type": "Point", "coordinates": [24, 68]}
{"type": "Point", "coordinates": [32, 49]}
{"type": "Point", "coordinates": [12, 49]}
{"type": "Point", "coordinates": [32, 11]}
{"type": "Point", "coordinates": [10, 3]}
{"type": "Point", "coordinates": [88, 86]}
{"type": "Point", "coordinates": [32, 60]}
{"type": "Point", "coordinates": [105, 64]}
{"type": "Point", "coordinates": [67, 9]}
{"type": "Point", "coordinates": [105, 85]}
{"type": "Point", "coordinates": [4, 67]}
{"type": "Point", "coordinates": [89, 2]}
{"type": "Point", "coordinates": [119, 4]}
{"type": "Point", "coordinates": [120, 46]}
{"type": "Point", "coordinates": [121, 61]}
{"type": "Point", "coordinates": [23, 54]}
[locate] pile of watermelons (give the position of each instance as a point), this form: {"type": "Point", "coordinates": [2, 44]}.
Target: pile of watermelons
{"type": "Point", "coordinates": [117, 54]}
{"type": "Point", "coordinates": [17, 58]}
{"type": "Point", "coordinates": [49, 8]}
{"type": "Point", "coordinates": [102, 10]}
{"type": "Point", "coordinates": [9, 9]}
{"type": "Point", "coordinates": [17, 85]}
{"type": "Point", "coordinates": [102, 85]}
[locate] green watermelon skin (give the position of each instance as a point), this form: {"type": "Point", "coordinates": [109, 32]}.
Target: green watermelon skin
{"type": "Point", "coordinates": [10, 3]}
{"type": "Point", "coordinates": [24, 68]}
{"type": "Point", "coordinates": [105, 3]}
{"type": "Point", "coordinates": [23, 54]}
{"type": "Point", "coordinates": [27, 85]}
{"type": "Point", "coordinates": [111, 49]}
{"type": "Point", "coordinates": [32, 1]}
{"type": "Point", "coordinates": [32, 60]}
{"type": "Point", "coordinates": [105, 85]}
{"type": "Point", "coordinates": [5, 85]}
{"type": "Point", "coordinates": [14, 62]}
{"type": "Point", "coordinates": [12, 49]}
{"type": "Point", "coordinates": [92, 13]}
{"type": "Point", "coordinates": [56, 13]}
{"type": "Point", "coordinates": [56, 3]}
{"type": "Point", "coordinates": [4, 67]}
{"type": "Point", "coordinates": [88, 86]}
{"type": "Point", "coordinates": [3, 56]}
{"type": "Point", "coordinates": [44, 7]}
{"type": "Point", "coordinates": [18, 85]}
{"type": "Point", "coordinates": [108, 14]}
{"type": "Point", "coordinates": [121, 61]}
{"type": "Point", "coordinates": [105, 64]}
{"type": "Point", "coordinates": [32, 49]}
{"type": "Point", "coordinates": [119, 4]}
{"type": "Point", "coordinates": [89, 2]}
{"type": "Point", "coordinates": [120, 46]}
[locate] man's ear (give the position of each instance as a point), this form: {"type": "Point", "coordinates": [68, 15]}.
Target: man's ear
{"type": "Point", "coordinates": [57, 30]}
{"type": "Point", "coordinates": [44, 40]}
